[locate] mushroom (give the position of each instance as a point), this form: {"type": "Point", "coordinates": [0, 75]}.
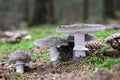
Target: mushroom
{"type": "Point", "coordinates": [8, 34]}
{"type": "Point", "coordinates": [16, 38]}
{"type": "Point", "coordinates": [19, 58]}
{"type": "Point", "coordinates": [51, 42]}
{"type": "Point", "coordinates": [79, 31]}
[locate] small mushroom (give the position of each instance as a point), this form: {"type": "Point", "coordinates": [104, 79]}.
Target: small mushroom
{"type": "Point", "coordinates": [51, 42]}
{"type": "Point", "coordinates": [19, 58]}
{"type": "Point", "coordinates": [79, 31]}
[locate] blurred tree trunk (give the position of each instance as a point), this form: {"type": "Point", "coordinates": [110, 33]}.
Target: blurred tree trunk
{"type": "Point", "coordinates": [31, 11]}
{"type": "Point", "coordinates": [117, 4]}
{"type": "Point", "coordinates": [85, 10]}
{"type": "Point", "coordinates": [108, 9]}
{"type": "Point", "coordinates": [35, 12]}
{"type": "Point", "coordinates": [41, 11]}
{"type": "Point", "coordinates": [26, 10]}
{"type": "Point", "coordinates": [50, 11]}
{"type": "Point", "coordinates": [12, 13]}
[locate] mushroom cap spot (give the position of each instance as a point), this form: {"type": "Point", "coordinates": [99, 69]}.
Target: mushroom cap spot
{"type": "Point", "coordinates": [80, 28]}
{"type": "Point", "coordinates": [19, 56]}
{"type": "Point", "coordinates": [49, 42]}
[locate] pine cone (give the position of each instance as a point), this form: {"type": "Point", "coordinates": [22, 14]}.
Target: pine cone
{"type": "Point", "coordinates": [95, 48]}
{"type": "Point", "coordinates": [94, 45]}
{"type": "Point", "coordinates": [114, 41]}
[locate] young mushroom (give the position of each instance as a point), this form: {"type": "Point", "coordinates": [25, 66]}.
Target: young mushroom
{"type": "Point", "coordinates": [19, 58]}
{"type": "Point", "coordinates": [79, 31]}
{"type": "Point", "coordinates": [51, 42]}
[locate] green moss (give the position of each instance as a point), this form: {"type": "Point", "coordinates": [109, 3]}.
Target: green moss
{"type": "Point", "coordinates": [36, 56]}
{"type": "Point", "coordinates": [15, 76]}
{"type": "Point", "coordinates": [103, 34]}
{"type": "Point", "coordinates": [108, 63]}
{"type": "Point", "coordinates": [71, 66]}
{"type": "Point", "coordinates": [93, 60]}
{"type": "Point", "coordinates": [45, 56]}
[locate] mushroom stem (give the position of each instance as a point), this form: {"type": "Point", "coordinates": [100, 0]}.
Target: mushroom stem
{"type": "Point", "coordinates": [20, 66]}
{"type": "Point", "coordinates": [54, 55]}
{"type": "Point", "coordinates": [79, 49]}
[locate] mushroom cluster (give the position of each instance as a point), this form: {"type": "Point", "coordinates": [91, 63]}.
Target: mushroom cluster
{"type": "Point", "coordinates": [14, 36]}
{"type": "Point", "coordinates": [76, 33]}
{"type": "Point", "coordinates": [79, 31]}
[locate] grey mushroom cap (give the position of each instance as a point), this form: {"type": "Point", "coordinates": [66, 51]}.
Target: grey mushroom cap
{"type": "Point", "coordinates": [49, 42]}
{"type": "Point", "coordinates": [8, 34]}
{"type": "Point", "coordinates": [88, 37]}
{"type": "Point", "coordinates": [80, 28]}
{"type": "Point", "coordinates": [19, 56]}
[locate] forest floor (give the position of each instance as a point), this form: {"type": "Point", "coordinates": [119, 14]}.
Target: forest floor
{"type": "Point", "coordinates": [40, 68]}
